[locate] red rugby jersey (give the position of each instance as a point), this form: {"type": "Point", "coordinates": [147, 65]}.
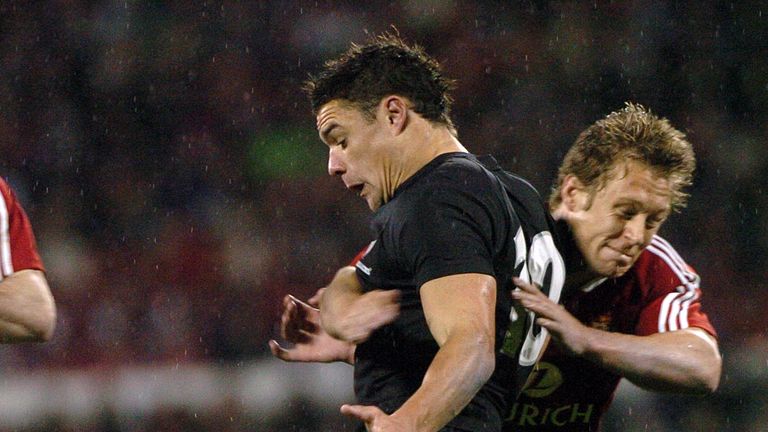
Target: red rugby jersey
{"type": "Point", "coordinates": [660, 293]}
{"type": "Point", "coordinates": [18, 250]}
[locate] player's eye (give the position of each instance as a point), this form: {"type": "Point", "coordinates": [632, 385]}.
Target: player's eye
{"type": "Point", "coordinates": [626, 215]}
{"type": "Point", "coordinates": [652, 223]}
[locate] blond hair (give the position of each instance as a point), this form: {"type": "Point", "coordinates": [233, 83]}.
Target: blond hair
{"type": "Point", "coordinates": [633, 133]}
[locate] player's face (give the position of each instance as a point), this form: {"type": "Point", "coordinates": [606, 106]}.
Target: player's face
{"type": "Point", "coordinates": [357, 150]}
{"type": "Point", "coordinates": [623, 217]}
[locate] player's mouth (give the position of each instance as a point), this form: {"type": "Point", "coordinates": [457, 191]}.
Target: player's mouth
{"type": "Point", "coordinates": [624, 258]}
{"type": "Point", "coordinates": [357, 188]}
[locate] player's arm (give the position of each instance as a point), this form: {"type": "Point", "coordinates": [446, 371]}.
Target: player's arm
{"type": "Point", "coordinates": [27, 309]}
{"type": "Point", "coordinates": [349, 314]}
{"type": "Point", "coordinates": [460, 313]}
{"type": "Point", "coordinates": [685, 361]}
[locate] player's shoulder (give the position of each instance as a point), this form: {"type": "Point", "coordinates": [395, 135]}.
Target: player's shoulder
{"type": "Point", "coordinates": [661, 265]}
{"type": "Point", "coordinates": [461, 164]}
{"type": "Point", "coordinates": [463, 173]}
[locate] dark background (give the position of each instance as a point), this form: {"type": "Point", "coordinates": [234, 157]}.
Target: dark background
{"type": "Point", "coordinates": [169, 164]}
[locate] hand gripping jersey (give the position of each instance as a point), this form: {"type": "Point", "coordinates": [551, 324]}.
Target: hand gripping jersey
{"type": "Point", "coordinates": [660, 293]}
{"type": "Point", "coordinates": [455, 216]}
{"type": "Point", "coordinates": [17, 243]}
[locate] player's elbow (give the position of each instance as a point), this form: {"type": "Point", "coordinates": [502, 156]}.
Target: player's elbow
{"type": "Point", "coordinates": [43, 325]}
{"type": "Point", "coordinates": [486, 367]}
{"type": "Point", "coordinates": [703, 377]}
{"type": "Point", "coordinates": [709, 379]}
{"type": "Point", "coordinates": [706, 371]}
{"type": "Point", "coordinates": [48, 326]}
{"type": "Point", "coordinates": [705, 364]}
{"type": "Point", "coordinates": [485, 360]}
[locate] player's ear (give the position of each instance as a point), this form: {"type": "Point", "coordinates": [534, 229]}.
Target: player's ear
{"type": "Point", "coordinates": [574, 194]}
{"type": "Point", "coordinates": [396, 112]}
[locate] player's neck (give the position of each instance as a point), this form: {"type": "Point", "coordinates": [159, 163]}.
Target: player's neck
{"type": "Point", "coordinates": [420, 146]}
{"type": "Point", "coordinates": [577, 270]}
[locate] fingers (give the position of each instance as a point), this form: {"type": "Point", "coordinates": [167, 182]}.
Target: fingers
{"type": "Point", "coordinates": [302, 307]}
{"type": "Point", "coordinates": [298, 320]}
{"type": "Point", "coordinates": [393, 295]}
{"type": "Point", "coordinates": [362, 315]}
{"type": "Point", "coordinates": [372, 311]}
{"type": "Point", "coordinates": [361, 412]}
{"type": "Point", "coordinates": [528, 287]}
{"type": "Point", "coordinates": [314, 301]}
{"type": "Point", "coordinates": [278, 351]}
{"type": "Point", "coordinates": [536, 305]}
{"type": "Point", "coordinates": [388, 307]}
{"type": "Point", "coordinates": [307, 317]}
{"type": "Point", "coordinates": [290, 320]}
{"type": "Point", "coordinates": [532, 299]}
{"type": "Point", "coordinates": [385, 300]}
{"type": "Point", "coordinates": [546, 323]}
{"type": "Point", "coordinates": [525, 298]}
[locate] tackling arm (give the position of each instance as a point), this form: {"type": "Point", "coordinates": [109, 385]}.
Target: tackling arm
{"type": "Point", "coordinates": [684, 361]}
{"type": "Point", "coordinates": [27, 309]}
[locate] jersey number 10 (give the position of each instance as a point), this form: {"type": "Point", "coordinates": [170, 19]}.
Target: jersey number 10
{"type": "Point", "coordinates": [542, 265]}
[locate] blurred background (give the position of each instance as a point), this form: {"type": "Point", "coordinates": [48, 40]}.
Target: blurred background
{"type": "Point", "coordinates": [169, 164]}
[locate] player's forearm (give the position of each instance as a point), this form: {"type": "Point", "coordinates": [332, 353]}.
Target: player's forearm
{"type": "Point", "coordinates": [676, 361]}
{"type": "Point", "coordinates": [338, 295]}
{"type": "Point", "coordinates": [27, 309]}
{"type": "Point", "coordinates": [460, 368]}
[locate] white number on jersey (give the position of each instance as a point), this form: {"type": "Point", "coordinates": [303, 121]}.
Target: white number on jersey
{"type": "Point", "coordinates": [542, 265]}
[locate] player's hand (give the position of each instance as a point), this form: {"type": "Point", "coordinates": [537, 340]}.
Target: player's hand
{"type": "Point", "coordinates": [300, 325]}
{"type": "Point", "coordinates": [566, 330]}
{"type": "Point", "coordinates": [314, 301]}
{"type": "Point", "coordinates": [375, 419]}
{"type": "Point", "coordinates": [364, 314]}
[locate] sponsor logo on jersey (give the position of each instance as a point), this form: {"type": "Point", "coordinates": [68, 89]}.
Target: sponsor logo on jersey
{"type": "Point", "coordinates": [545, 378]}
{"type": "Point", "coordinates": [359, 264]}
{"type": "Point", "coordinates": [543, 381]}
{"type": "Point", "coordinates": [532, 415]}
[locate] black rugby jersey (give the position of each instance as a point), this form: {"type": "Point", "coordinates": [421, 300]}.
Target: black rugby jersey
{"type": "Point", "coordinates": [454, 216]}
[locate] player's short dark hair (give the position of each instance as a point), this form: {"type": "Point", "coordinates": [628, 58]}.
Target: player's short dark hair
{"type": "Point", "coordinates": [633, 133]}
{"type": "Point", "coordinates": [384, 66]}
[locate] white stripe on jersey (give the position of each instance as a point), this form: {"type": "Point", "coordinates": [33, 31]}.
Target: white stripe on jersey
{"type": "Point", "coordinates": [674, 308]}
{"type": "Point", "coordinates": [5, 240]}
{"type": "Point", "coordinates": [680, 308]}
{"type": "Point", "coordinates": [663, 313]}
{"type": "Point", "coordinates": [684, 312]}
{"type": "Point", "coordinates": [664, 250]}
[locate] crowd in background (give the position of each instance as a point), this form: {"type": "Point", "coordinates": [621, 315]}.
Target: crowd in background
{"type": "Point", "coordinates": [169, 163]}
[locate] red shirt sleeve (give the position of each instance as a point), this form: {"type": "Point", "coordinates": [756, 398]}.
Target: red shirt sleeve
{"type": "Point", "coordinates": [18, 250]}
{"type": "Point", "coordinates": [674, 290]}
{"type": "Point", "coordinates": [363, 252]}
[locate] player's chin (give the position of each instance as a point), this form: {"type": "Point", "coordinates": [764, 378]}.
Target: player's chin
{"type": "Point", "coordinates": [612, 269]}
{"type": "Point", "coordinates": [620, 271]}
{"type": "Point", "coordinates": [374, 202]}
{"type": "Point", "coordinates": [621, 268]}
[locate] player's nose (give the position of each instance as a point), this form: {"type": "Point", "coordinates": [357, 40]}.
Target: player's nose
{"type": "Point", "coordinates": [335, 162]}
{"type": "Point", "coordinates": [634, 230]}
